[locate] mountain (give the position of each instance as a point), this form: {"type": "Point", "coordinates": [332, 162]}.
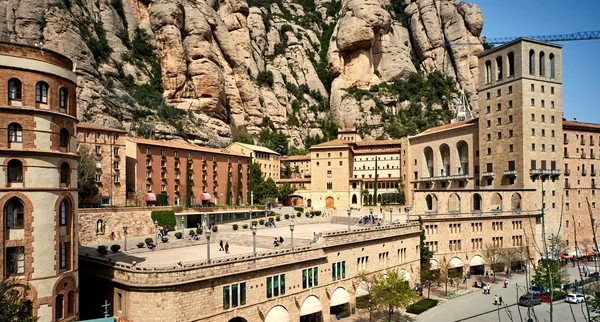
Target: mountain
{"type": "Point", "coordinates": [205, 71]}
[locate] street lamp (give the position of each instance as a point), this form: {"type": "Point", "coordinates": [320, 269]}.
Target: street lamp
{"type": "Point", "coordinates": [156, 229]}
{"type": "Point", "coordinates": [391, 222]}
{"type": "Point", "coordinates": [349, 213]}
{"type": "Point", "coordinates": [253, 228]}
{"type": "Point", "coordinates": [207, 234]}
{"type": "Point", "coordinates": [250, 212]}
{"type": "Point", "coordinates": [124, 238]}
{"type": "Point", "coordinates": [292, 232]}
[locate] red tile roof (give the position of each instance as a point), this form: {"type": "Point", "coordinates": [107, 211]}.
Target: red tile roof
{"type": "Point", "coordinates": [448, 126]}
{"type": "Point", "coordinates": [572, 124]}
{"type": "Point", "coordinates": [90, 126]}
{"type": "Point", "coordinates": [183, 146]}
{"type": "Point", "coordinates": [332, 143]}
{"type": "Point", "coordinates": [294, 180]}
{"type": "Point", "coordinates": [296, 157]}
{"type": "Point", "coordinates": [378, 142]}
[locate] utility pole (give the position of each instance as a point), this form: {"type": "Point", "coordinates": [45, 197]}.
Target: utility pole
{"type": "Point", "coordinates": [375, 192]}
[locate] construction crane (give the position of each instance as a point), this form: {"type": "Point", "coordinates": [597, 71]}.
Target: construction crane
{"type": "Point", "coordinates": [582, 35]}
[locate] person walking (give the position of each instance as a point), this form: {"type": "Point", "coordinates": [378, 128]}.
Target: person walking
{"type": "Point", "coordinates": [221, 245]}
{"type": "Point", "coordinates": [505, 283]}
{"type": "Point", "coordinates": [495, 299]}
{"type": "Point", "coordinates": [500, 300]}
{"type": "Point", "coordinates": [226, 247]}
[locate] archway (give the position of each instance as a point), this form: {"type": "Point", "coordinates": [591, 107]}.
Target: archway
{"type": "Point", "coordinates": [476, 202]}
{"type": "Point", "coordinates": [329, 202]}
{"type": "Point", "coordinates": [455, 269]}
{"type": "Point", "coordinates": [444, 160]}
{"type": "Point", "coordinates": [238, 319]}
{"type": "Point", "coordinates": [454, 203]}
{"type": "Point", "coordinates": [462, 149]}
{"type": "Point", "coordinates": [477, 265]}
{"type": "Point", "coordinates": [278, 314]}
{"type": "Point", "coordinates": [354, 199]}
{"type": "Point", "coordinates": [428, 162]}
{"type": "Point", "coordinates": [363, 290]}
{"type": "Point", "coordinates": [496, 202]}
{"type": "Point", "coordinates": [431, 202]}
{"type": "Point", "coordinates": [311, 310]}
{"type": "Point", "coordinates": [339, 305]}
{"type": "Point", "coordinates": [515, 201]}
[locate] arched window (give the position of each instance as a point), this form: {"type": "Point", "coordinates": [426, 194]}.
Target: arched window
{"type": "Point", "coordinates": [63, 95]}
{"type": "Point", "coordinates": [15, 171]}
{"type": "Point", "coordinates": [476, 202]}
{"type": "Point", "coordinates": [542, 63]}
{"type": "Point", "coordinates": [64, 173]}
{"type": "Point", "coordinates": [499, 71]}
{"type": "Point", "coordinates": [65, 298]}
{"type": "Point", "coordinates": [488, 72]}
{"type": "Point", "coordinates": [64, 138]}
{"type": "Point", "coordinates": [431, 202]}
{"type": "Point", "coordinates": [354, 199]}
{"type": "Point", "coordinates": [15, 133]}
{"type": "Point", "coordinates": [511, 64]}
{"type": "Point", "coordinates": [515, 201]}
{"type": "Point", "coordinates": [14, 89]}
{"type": "Point", "coordinates": [59, 306]}
{"type": "Point", "coordinates": [70, 303]}
{"type": "Point", "coordinates": [41, 92]}
{"type": "Point", "coordinates": [532, 62]}
{"type": "Point", "coordinates": [63, 213]}
{"type": "Point", "coordinates": [552, 67]}
{"type": "Point", "coordinates": [496, 202]}
{"type": "Point", "coordinates": [14, 214]}
{"type": "Point", "coordinates": [454, 203]}
{"type": "Point", "coordinates": [428, 162]}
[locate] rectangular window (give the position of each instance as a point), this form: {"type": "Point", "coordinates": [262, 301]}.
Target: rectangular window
{"type": "Point", "coordinates": [63, 255]}
{"type": "Point", "coordinates": [15, 261]}
{"type": "Point", "coordinates": [533, 102]}
{"type": "Point", "coordinates": [116, 151]}
{"type": "Point", "coordinates": [510, 90]}
{"type": "Point", "coordinates": [275, 285]}
{"type": "Point", "coordinates": [338, 270]}
{"type": "Point", "coordinates": [310, 277]}
{"type": "Point", "coordinates": [510, 104]}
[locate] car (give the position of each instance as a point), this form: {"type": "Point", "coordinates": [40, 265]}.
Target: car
{"type": "Point", "coordinates": [574, 298]}
{"type": "Point", "coordinates": [536, 290]}
{"type": "Point", "coordinates": [529, 300]}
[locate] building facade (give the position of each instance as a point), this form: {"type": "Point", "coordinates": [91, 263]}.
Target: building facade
{"type": "Point", "coordinates": [39, 186]}
{"type": "Point", "coordinates": [267, 159]}
{"type": "Point", "coordinates": [107, 145]}
{"type": "Point", "coordinates": [185, 172]}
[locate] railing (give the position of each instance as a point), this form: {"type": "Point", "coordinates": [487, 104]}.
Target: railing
{"type": "Point", "coordinates": [488, 174]}
{"type": "Point", "coordinates": [535, 172]}
{"type": "Point", "coordinates": [555, 172]}
{"type": "Point", "coordinates": [510, 173]}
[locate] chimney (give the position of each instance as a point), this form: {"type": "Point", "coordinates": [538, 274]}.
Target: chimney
{"type": "Point", "coordinates": [574, 119]}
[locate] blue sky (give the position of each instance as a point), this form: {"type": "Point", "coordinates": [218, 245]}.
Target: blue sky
{"type": "Point", "coordinates": [581, 59]}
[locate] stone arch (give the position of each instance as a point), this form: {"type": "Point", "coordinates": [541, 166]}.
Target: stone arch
{"type": "Point", "coordinates": [476, 206]}
{"type": "Point", "coordinates": [444, 160]}
{"type": "Point", "coordinates": [431, 202]}
{"type": "Point", "coordinates": [532, 62]}
{"type": "Point", "coordinates": [515, 201]}
{"type": "Point", "coordinates": [428, 162]}
{"type": "Point", "coordinates": [454, 203]}
{"type": "Point", "coordinates": [462, 151]}
{"type": "Point", "coordinates": [354, 199]}
{"type": "Point", "coordinates": [488, 71]}
{"type": "Point", "coordinates": [238, 319]}
{"type": "Point", "coordinates": [552, 65]}
{"type": "Point", "coordinates": [510, 60]}
{"type": "Point", "coordinates": [64, 297]}
{"type": "Point", "coordinates": [542, 63]}
{"type": "Point", "coordinates": [499, 70]}
{"type": "Point", "coordinates": [278, 313]}
{"type": "Point", "coordinates": [496, 202]}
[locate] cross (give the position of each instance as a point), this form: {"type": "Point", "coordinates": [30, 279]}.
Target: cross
{"type": "Point", "coordinates": [105, 306]}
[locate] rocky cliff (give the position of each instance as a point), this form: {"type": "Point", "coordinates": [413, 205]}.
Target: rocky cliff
{"type": "Point", "coordinates": [208, 70]}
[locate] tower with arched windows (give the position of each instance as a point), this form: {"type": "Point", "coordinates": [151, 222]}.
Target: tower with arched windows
{"type": "Point", "coordinates": [38, 194]}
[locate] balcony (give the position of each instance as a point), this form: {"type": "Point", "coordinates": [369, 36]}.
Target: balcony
{"type": "Point", "coordinates": [555, 173]}
{"type": "Point", "coordinates": [535, 172]}
{"type": "Point", "coordinates": [567, 172]}
{"type": "Point", "coordinates": [164, 156]}
{"type": "Point", "coordinates": [510, 173]}
{"type": "Point", "coordinates": [592, 141]}
{"type": "Point", "coordinates": [582, 140]}
{"type": "Point", "coordinates": [149, 176]}
{"type": "Point", "coordinates": [424, 179]}
{"type": "Point", "coordinates": [488, 174]}
{"type": "Point", "coordinates": [566, 154]}
{"type": "Point", "coordinates": [594, 185]}
{"type": "Point", "coordinates": [592, 154]}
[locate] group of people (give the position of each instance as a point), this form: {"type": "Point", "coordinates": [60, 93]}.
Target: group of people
{"type": "Point", "coordinates": [224, 247]}
{"type": "Point", "coordinates": [497, 300]}
{"type": "Point", "coordinates": [163, 232]}
{"type": "Point", "coordinates": [270, 224]}
{"type": "Point", "coordinates": [278, 241]}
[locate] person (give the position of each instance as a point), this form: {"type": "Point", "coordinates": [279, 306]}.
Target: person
{"type": "Point", "coordinates": [500, 300]}
{"type": "Point", "coordinates": [221, 245]}
{"type": "Point", "coordinates": [487, 274]}
{"type": "Point", "coordinates": [152, 246]}
{"type": "Point", "coordinates": [275, 242]}
{"type": "Point", "coordinates": [495, 299]}
{"type": "Point", "coordinates": [280, 240]}
{"type": "Point", "coordinates": [226, 247]}
{"type": "Point", "coordinates": [505, 283]}
{"type": "Point", "coordinates": [166, 231]}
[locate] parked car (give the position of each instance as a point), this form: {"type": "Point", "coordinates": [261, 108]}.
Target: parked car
{"type": "Point", "coordinates": [574, 298]}
{"type": "Point", "coordinates": [536, 290]}
{"type": "Point", "coordinates": [529, 300]}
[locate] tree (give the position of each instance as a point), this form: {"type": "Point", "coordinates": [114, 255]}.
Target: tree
{"type": "Point", "coordinates": [86, 174]}
{"type": "Point", "coordinates": [447, 274]}
{"type": "Point", "coordinates": [390, 291]}
{"type": "Point", "coordinates": [228, 196]}
{"type": "Point", "coordinates": [495, 256]}
{"type": "Point", "coordinates": [265, 191]}
{"type": "Point", "coordinates": [14, 304]}
{"type": "Point", "coordinates": [284, 191]}
{"type": "Point", "coordinates": [549, 268]}
{"type": "Point", "coordinates": [402, 198]}
{"type": "Point", "coordinates": [238, 195]}
{"type": "Point", "coordinates": [254, 181]}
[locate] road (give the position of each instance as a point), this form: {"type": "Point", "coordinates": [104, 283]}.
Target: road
{"type": "Point", "coordinates": [477, 307]}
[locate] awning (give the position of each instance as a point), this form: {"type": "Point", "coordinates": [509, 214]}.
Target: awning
{"type": "Point", "coordinates": [476, 261]}
{"type": "Point", "coordinates": [434, 264]}
{"type": "Point", "coordinates": [150, 196]}
{"type": "Point", "coordinates": [455, 263]}
{"type": "Point", "coordinates": [278, 314]}
{"type": "Point", "coordinates": [565, 256]}
{"type": "Point", "coordinates": [339, 297]}
{"type": "Point", "coordinates": [205, 196]}
{"type": "Point", "coordinates": [363, 289]}
{"type": "Point", "coordinates": [311, 305]}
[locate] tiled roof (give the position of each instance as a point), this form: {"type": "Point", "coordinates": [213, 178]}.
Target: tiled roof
{"type": "Point", "coordinates": [90, 126]}
{"type": "Point", "coordinates": [257, 148]}
{"type": "Point", "coordinates": [294, 180]}
{"type": "Point", "coordinates": [448, 126]}
{"type": "Point", "coordinates": [296, 157]}
{"type": "Point", "coordinates": [332, 143]}
{"type": "Point", "coordinates": [183, 146]}
{"type": "Point", "coordinates": [377, 151]}
{"type": "Point", "coordinates": [591, 126]}
{"type": "Point", "coordinates": [377, 142]}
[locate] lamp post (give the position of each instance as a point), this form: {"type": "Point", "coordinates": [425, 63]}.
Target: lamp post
{"type": "Point", "coordinates": [253, 228]}
{"type": "Point", "coordinates": [250, 212]}
{"type": "Point", "coordinates": [292, 232]}
{"type": "Point", "coordinates": [156, 229]}
{"type": "Point", "coordinates": [207, 234]}
{"type": "Point", "coordinates": [349, 214]}
{"type": "Point", "coordinates": [371, 218]}
{"type": "Point", "coordinates": [124, 238]}
{"type": "Point", "coordinates": [391, 221]}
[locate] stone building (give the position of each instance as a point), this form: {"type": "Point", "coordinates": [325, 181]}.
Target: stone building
{"type": "Point", "coordinates": [308, 283]}
{"type": "Point", "coordinates": [39, 195]}
{"type": "Point", "coordinates": [181, 170]}
{"type": "Point", "coordinates": [299, 166]}
{"type": "Point", "coordinates": [268, 159]}
{"type": "Point", "coordinates": [108, 147]}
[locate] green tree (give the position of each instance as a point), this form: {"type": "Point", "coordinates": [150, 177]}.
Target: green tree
{"type": "Point", "coordinates": [254, 181]}
{"type": "Point", "coordinates": [447, 274]}
{"type": "Point", "coordinates": [390, 291]}
{"type": "Point", "coordinates": [427, 275]}
{"type": "Point", "coordinates": [549, 275]}
{"type": "Point", "coordinates": [228, 196]}
{"type": "Point", "coordinates": [238, 195]}
{"type": "Point", "coordinates": [242, 139]}
{"type": "Point", "coordinates": [266, 190]}
{"type": "Point", "coordinates": [86, 174]}
{"type": "Point", "coordinates": [14, 304]}
{"type": "Point", "coordinates": [284, 191]}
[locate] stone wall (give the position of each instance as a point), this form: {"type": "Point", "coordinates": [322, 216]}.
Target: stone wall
{"type": "Point", "coordinates": [138, 223]}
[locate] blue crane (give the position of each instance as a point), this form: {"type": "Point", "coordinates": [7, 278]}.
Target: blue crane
{"type": "Point", "coordinates": [582, 35]}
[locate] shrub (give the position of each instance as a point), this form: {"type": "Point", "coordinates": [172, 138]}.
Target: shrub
{"type": "Point", "coordinates": [255, 223]}
{"type": "Point", "coordinates": [308, 214]}
{"type": "Point", "coordinates": [245, 226]}
{"type": "Point", "coordinates": [421, 306]}
{"type": "Point", "coordinates": [198, 230]}
{"type": "Point", "coordinates": [317, 212]}
{"type": "Point", "coordinates": [215, 228]}
{"type": "Point", "coordinates": [178, 235]}
{"type": "Point", "coordinates": [235, 226]}
{"type": "Point", "coordinates": [261, 222]}
{"type": "Point", "coordinates": [102, 250]}
{"type": "Point", "coordinates": [300, 209]}
{"type": "Point", "coordinates": [271, 219]}
{"type": "Point", "coordinates": [140, 245]}
{"type": "Point", "coordinates": [148, 241]}
{"type": "Point", "coordinates": [265, 77]}
{"type": "Point", "coordinates": [558, 295]}
{"type": "Point", "coordinates": [277, 218]}
{"type": "Point", "coordinates": [115, 248]}
{"type": "Point", "coordinates": [298, 214]}
{"type": "Point", "coordinates": [286, 216]}
{"type": "Point", "coordinates": [177, 208]}
{"type": "Point", "coordinates": [192, 232]}
{"type": "Point", "coordinates": [165, 239]}
{"type": "Point", "coordinates": [165, 218]}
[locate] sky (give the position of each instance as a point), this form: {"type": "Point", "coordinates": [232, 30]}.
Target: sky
{"type": "Point", "coordinates": [581, 59]}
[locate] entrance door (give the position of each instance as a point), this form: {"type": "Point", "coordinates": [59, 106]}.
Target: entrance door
{"type": "Point", "coordinates": [329, 202]}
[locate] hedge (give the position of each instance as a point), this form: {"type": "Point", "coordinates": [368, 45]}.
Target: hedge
{"type": "Point", "coordinates": [421, 306]}
{"type": "Point", "coordinates": [235, 226]}
{"type": "Point", "coordinates": [115, 248]}
{"type": "Point", "coordinates": [165, 218]}
{"type": "Point", "coordinates": [299, 209]}
{"type": "Point", "coordinates": [558, 295]}
{"type": "Point", "coordinates": [102, 250]}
